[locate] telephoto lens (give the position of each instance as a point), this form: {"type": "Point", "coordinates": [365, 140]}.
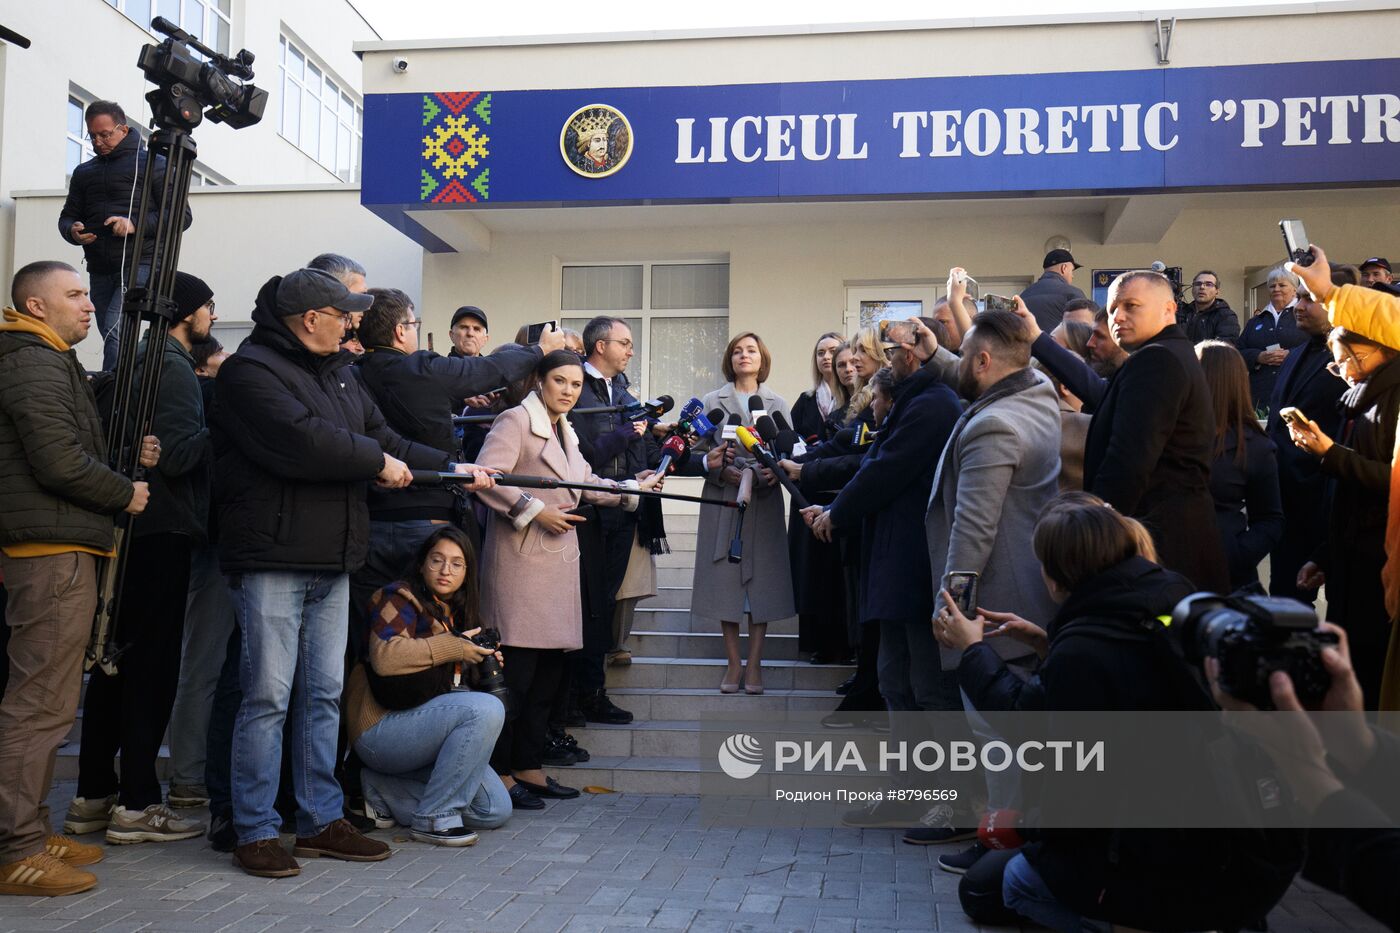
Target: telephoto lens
{"type": "Point", "coordinates": [489, 677]}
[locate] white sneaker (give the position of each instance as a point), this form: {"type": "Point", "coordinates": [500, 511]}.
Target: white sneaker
{"type": "Point", "coordinates": [89, 816]}
{"type": "Point", "coordinates": [156, 823]}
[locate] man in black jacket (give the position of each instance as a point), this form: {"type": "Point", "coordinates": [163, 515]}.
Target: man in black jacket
{"type": "Point", "coordinates": [1148, 452]}
{"type": "Point", "coordinates": [126, 713]}
{"type": "Point", "coordinates": [418, 391]}
{"type": "Point", "coordinates": [1208, 317]}
{"type": "Point", "coordinates": [57, 501]}
{"type": "Point", "coordinates": [1303, 383]}
{"type": "Point", "coordinates": [298, 439]}
{"type": "Point", "coordinates": [616, 449]}
{"type": "Point", "coordinates": [97, 215]}
{"type": "Point", "coordinates": [1048, 295]}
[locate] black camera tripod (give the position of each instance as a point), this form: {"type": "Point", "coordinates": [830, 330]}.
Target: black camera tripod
{"type": "Point", "coordinates": [185, 86]}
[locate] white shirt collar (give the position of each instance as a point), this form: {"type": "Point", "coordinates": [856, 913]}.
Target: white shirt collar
{"type": "Point", "coordinates": [593, 371]}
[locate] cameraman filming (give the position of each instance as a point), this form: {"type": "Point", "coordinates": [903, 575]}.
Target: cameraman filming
{"type": "Point", "coordinates": [57, 500]}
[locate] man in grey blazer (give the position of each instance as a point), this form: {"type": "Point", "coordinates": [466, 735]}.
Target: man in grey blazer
{"type": "Point", "coordinates": [1000, 468]}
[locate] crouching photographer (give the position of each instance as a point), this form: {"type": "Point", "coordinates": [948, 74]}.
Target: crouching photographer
{"type": "Point", "coordinates": [424, 735]}
{"type": "Point", "coordinates": [1103, 651]}
{"type": "Point", "coordinates": [1339, 769]}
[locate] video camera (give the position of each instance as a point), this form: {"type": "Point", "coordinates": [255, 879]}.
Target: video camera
{"type": "Point", "coordinates": [1251, 637]}
{"type": "Point", "coordinates": [186, 86]}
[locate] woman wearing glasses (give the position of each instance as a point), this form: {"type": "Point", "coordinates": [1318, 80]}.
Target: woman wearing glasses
{"type": "Point", "coordinates": [425, 738]}
{"type": "Point", "coordinates": [1357, 466]}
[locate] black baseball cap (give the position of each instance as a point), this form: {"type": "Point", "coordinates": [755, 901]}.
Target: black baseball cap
{"type": "Point", "coordinates": [470, 311]}
{"type": "Point", "coordinates": [309, 289]}
{"type": "Point", "coordinates": [1379, 262]}
{"type": "Point", "coordinates": [1057, 256]}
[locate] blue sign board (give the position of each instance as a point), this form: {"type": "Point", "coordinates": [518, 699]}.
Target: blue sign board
{"type": "Point", "coordinates": [1284, 125]}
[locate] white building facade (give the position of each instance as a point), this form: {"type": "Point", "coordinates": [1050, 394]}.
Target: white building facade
{"type": "Point", "coordinates": [793, 182]}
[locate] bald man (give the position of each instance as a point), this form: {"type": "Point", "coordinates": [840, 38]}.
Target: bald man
{"type": "Point", "coordinates": [1149, 448]}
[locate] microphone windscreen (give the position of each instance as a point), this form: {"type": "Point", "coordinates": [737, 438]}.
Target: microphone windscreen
{"type": "Point", "coordinates": [766, 429]}
{"type": "Point", "coordinates": [732, 419]}
{"type": "Point", "coordinates": [785, 442]}
{"type": "Point", "coordinates": [746, 438]}
{"type": "Point", "coordinates": [664, 404]}
{"type": "Point", "coordinates": [755, 403]}
{"type": "Point", "coordinates": [675, 444]}
{"type": "Point", "coordinates": [781, 422]}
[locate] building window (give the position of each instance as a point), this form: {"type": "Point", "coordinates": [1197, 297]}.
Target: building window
{"type": "Point", "coordinates": [209, 21]}
{"type": "Point", "coordinates": [319, 115]}
{"type": "Point", "coordinates": [79, 146]}
{"type": "Point", "coordinates": [678, 313]}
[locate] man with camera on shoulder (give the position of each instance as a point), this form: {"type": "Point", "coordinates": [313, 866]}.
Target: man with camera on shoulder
{"type": "Point", "coordinates": [298, 438]}
{"type": "Point", "coordinates": [57, 501]}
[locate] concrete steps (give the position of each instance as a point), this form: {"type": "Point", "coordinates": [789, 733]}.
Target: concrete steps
{"type": "Point", "coordinates": [707, 645]}
{"type": "Point", "coordinates": [681, 622]}
{"type": "Point", "coordinates": [702, 673]}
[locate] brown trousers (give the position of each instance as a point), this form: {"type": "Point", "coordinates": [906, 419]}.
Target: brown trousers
{"type": "Point", "coordinates": [52, 601]}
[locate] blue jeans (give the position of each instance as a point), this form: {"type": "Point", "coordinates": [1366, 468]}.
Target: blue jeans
{"type": "Point", "coordinates": [292, 662]}
{"type": "Point", "coordinates": [105, 291]}
{"type": "Point", "coordinates": [1024, 891]}
{"type": "Point", "coordinates": [430, 766]}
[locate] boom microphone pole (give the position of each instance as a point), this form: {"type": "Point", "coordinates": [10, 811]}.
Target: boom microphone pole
{"type": "Point", "coordinates": [525, 481]}
{"type": "Point", "coordinates": [185, 86]}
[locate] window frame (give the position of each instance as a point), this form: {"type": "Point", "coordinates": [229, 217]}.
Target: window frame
{"type": "Point", "coordinates": [646, 313]}
{"type": "Point", "coordinates": [212, 15]}
{"type": "Point", "coordinates": [339, 118]}
{"type": "Point", "coordinates": [86, 151]}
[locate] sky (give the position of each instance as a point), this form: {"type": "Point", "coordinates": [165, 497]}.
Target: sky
{"type": "Point", "coordinates": [423, 19]}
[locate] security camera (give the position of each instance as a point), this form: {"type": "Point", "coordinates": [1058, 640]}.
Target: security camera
{"type": "Point", "coordinates": [400, 65]}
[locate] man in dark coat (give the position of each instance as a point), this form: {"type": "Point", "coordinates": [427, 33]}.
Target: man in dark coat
{"type": "Point", "coordinates": [1048, 295]}
{"type": "Point", "coordinates": [1148, 452]}
{"type": "Point", "coordinates": [1208, 317]}
{"type": "Point", "coordinates": [298, 439]}
{"type": "Point", "coordinates": [102, 194]}
{"type": "Point", "coordinates": [1305, 384]}
{"type": "Point", "coordinates": [57, 501]}
{"type": "Point", "coordinates": [616, 449]}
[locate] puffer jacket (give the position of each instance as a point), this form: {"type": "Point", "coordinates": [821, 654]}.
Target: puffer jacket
{"type": "Point", "coordinates": [297, 441]}
{"type": "Point", "coordinates": [55, 486]}
{"type": "Point", "coordinates": [110, 186]}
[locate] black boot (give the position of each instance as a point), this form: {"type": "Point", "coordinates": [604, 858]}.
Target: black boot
{"type": "Point", "coordinates": [597, 707]}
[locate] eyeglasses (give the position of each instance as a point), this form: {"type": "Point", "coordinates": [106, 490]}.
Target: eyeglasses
{"type": "Point", "coordinates": [436, 562]}
{"type": "Point", "coordinates": [890, 352]}
{"type": "Point", "coordinates": [1335, 367]}
{"type": "Point", "coordinates": [1205, 284]}
{"type": "Point", "coordinates": [625, 343]}
{"type": "Point", "coordinates": [413, 323]}
{"type": "Point", "coordinates": [104, 136]}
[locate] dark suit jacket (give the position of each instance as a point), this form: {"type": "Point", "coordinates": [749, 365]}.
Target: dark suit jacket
{"type": "Point", "coordinates": [1247, 507]}
{"type": "Point", "coordinates": [1149, 451]}
{"type": "Point", "coordinates": [1047, 296]}
{"type": "Point", "coordinates": [1304, 383]}
{"type": "Point", "coordinates": [890, 493]}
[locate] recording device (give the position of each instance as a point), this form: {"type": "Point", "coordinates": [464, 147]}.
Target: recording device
{"type": "Point", "coordinates": [962, 586]}
{"type": "Point", "coordinates": [764, 457]}
{"type": "Point", "coordinates": [1293, 416]}
{"type": "Point", "coordinates": [652, 409]}
{"type": "Point", "coordinates": [693, 415]}
{"type": "Point", "coordinates": [186, 85]}
{"type": "Point", "coordinates": [786, 444]}
{"type": "Point", "coordinates": [673, 450]}
{"type": "Point", "coordinates": [489, 676]}
{"type": "Point", "coordinates": [864, 436]}
{"type": "Point", "coordinates": [742, 499]}
{"type": "Point", "coordinates": [1295, 239]}
{"type": "Point", "coordinates": [756, 409]}
{"type": "Point", "coordinates": [1000, 303]}
{"type": "Point", "coordinates": [1251, 637]}
{"type": "Point", "coordinates": [732, 423]}
{"type": "Point", "coordinates": [534, 331]}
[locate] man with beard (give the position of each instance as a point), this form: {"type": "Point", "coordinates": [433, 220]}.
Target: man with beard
{"type": "Point", "coordinates": [127, 712]}
{"type": "Point", "coordinates": [999, 469]}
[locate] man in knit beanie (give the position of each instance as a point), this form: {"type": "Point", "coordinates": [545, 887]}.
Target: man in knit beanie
{"type": "Point", "coordinates": [128, 712]}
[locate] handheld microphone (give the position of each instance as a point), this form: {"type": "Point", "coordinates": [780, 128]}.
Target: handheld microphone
{"type": "Point", "coordinates": [752, 445]}
{"type": "Point", "coordinates": [1000, 829]}
{"type": "Point", "coordinates": [756, 409]}
{"type": "Point", "coordinates": [785, 444]}
{"type": "Point", "coordinates": [736, 544]}
{"type": "Point", "coordinates": [694, 415]}
{"type": "Point", "coordinates": [864, 436]}
{"type": "Point", "coordinates": [674, 449]}
{"type": "Point", "coordinates": [731, 425]}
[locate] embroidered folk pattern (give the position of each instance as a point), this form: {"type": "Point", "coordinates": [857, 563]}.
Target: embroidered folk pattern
{"type": "Point", "coordinates": [456, 148]}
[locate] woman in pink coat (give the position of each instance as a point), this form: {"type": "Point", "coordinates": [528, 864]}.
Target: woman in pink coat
{"type": "Point", "coordinates": [529, 571]}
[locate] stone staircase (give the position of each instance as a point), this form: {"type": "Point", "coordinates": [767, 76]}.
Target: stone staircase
{"type": "Point", "coordinates": [677, 664]}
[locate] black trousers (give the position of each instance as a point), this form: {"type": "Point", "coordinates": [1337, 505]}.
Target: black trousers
{"type": "Point", "coordinates": [532, 676]}
{"type": "Point", "coordinates": [1299, 542]}
{"type": "Point", "coordinates": [128, 712]}
{"type": "Point", "coordinates": [864, 695]}
{"type": "Point", "coordinates": [617, 530]}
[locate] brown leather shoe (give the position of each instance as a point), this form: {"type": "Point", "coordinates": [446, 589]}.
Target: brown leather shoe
{"type": "Point", "coordinates": [343, 841]}
{"type": "Point", "coordinates": [266, 859]}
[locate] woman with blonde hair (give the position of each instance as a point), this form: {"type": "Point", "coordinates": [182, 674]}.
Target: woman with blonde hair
{"type": "Point", "coordinates": [869, 357]}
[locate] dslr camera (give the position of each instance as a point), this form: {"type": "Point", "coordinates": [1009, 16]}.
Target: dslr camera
{"type": "Point", "coordinates": [1251, 637]}
{"type": "Point", "coordinates": [488, 675]}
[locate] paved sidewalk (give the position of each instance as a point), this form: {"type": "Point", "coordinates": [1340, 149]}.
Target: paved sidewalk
{"type": "Point", "coordinates": [600, 863]}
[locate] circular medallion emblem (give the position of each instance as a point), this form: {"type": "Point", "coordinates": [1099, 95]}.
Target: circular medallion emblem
{"type": "Point", "coordinates": [596, 141]}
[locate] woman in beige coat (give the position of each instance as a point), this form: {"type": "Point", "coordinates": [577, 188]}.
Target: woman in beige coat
{"type": "Point", "coordinates": [529, 571]}
{"type": "Point", "coordinates": [759, 587]}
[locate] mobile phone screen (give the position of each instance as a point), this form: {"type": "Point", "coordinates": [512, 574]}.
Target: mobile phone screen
{"type": "Point", "coordinates": [962, 586]}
